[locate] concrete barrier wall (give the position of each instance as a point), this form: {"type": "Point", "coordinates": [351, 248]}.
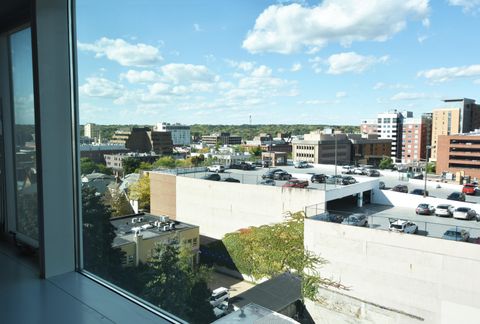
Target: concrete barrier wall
{"type": "Point", "coordinates": [398, 199]}
{"type": "Point", "coordinates": [428, 278]}
{"type": "Point", "coordinates": [222, 207]}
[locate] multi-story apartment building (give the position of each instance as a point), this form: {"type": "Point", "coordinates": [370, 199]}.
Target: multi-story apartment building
{"type": "Point", "coordinates": [416, 135]}
{"type": "Point", "coordinates": [322, 147]}
{"type": "Point", "coordinates": [369, 126]}
{"type": "Point", "coordinates": [390, 127]}
{"type": "Point", "coordinates": [368, 148]}
{"type": "Point", "coordinates": [138, 235]}
{"type": "Point", "coordinates": [180, 133]}
{"type": "Point", "coordinates": [459, 152]}
{"type": "Point", "coordinates": [223, 138]}
{"type": "Point", "coordinates": [458, 116]}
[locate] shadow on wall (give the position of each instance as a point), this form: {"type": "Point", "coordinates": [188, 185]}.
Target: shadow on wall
{"type": "Point", "coordinates": [214, 254]}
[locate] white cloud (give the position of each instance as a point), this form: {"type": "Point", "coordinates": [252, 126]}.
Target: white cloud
{"type": "Point", "coordinates": [422, 38]}
{"type": "Point", "coordinates": [467, 5]}
{"type": "Point", "coordinates": [426, 22]}
{"type": "Point", "coordinates": [189, 73]}
{"type": "Point", "coordinates": [133, 76]}
{"type": "Point", "coordinates": [382, 85]}
{"type": "Point", "coordinates": [158, 88]}
{"type": "Point", "coordinates": [446, 74]}
{"type": "Point", "coordinates": [408, 96]}
{"type": "Point", "coordinates": [241, 65]}
{"type": "Point", "coordinates": [316, 64]}
{"type": "Point", "coordinates": [262, 71]}
{"type": "Point", "coordinates": [341, 94]}
{"type": "Point", "coordinates": [100, 87]}
{"type": "Point", "coordinates": [352, 62]}
{"type": "Point", "coordinates": [197, 27]}
{"type": "Point", "coordinates": [290, 28]}
{"type": "Point", "coordinates": [122, 52]}
{"type": "Point", "coordinates": [296, 67]}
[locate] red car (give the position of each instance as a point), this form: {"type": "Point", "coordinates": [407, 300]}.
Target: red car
{"type": "Point", "coordinates": [296, 183]}
{"type": "Point", "coordinates": [469, 189]}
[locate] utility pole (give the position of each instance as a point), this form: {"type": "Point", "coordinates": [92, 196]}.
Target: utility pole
{"type": "Point", "coordinates": [335, 137]}
{"type": "Point", "coordinates": [426, 166]}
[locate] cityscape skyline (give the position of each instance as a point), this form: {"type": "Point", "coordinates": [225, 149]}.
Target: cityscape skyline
{"type": "Point", "coordinates": [221, 64]}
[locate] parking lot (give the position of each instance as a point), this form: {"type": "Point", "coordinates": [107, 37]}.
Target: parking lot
{"type": "Point", "coordinates": [380, 216]}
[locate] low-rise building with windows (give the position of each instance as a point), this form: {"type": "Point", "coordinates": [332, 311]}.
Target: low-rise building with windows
{"type": "Point", "coordinates": [457, 153]}
{"type": "Point", "coordinates": [138, 235]}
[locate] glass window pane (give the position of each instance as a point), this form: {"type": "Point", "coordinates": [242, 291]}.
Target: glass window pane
{"type": "Point", "coordinates": [24, 133]}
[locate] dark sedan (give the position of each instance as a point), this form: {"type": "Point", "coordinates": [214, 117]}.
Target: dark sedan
{"type": "Point", "coordinates": [282, 176]}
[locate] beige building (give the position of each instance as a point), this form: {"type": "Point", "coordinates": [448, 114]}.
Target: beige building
{"type": "Point", "coordinates": [89, 130]}
{"type": "Point", "coordinates": [322, 147]}
{"type": "Point", "coordinates": [458, 116]}
{"type": "Point", "coordinates": [138, 235]}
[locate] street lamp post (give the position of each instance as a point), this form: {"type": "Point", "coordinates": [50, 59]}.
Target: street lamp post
{"type": "Point", "coordinates": [428, 147]}
{"type": "Point", "coordinates": [335, 137]}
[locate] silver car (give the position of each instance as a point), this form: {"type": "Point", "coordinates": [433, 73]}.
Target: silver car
{"type": "Point", "coordinates": [464, 213]}
{"type": "Point", "coordinates": [444, 210]}
{"type": "Point", "coordinates": [357, 219]}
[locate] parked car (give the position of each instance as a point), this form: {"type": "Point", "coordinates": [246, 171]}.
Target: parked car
{"type": "Point", "coordinates": [318, 178]}
{"type": "Point", "coordinates": [296, 183]}
{"type": "Point", "coordinates": [469, 189]}
{"type": "Point", "coordinates": [327, 217]}
{"type": "Point", "coordinates": [216, 168]}
{"type": "Point", "coordinates": [357, 219]}
{"type": "Point", "coordinates": [269, 174]}
{"type": "Point", "coordinates": [400, 188]}
{"type": "Point", "coordinates": [212, 177]}
{"type": "Point", "coordinates": [230, 179]}
{"type": "Point", "coordinates": [268, 182]}
{"type": "Point", "coordinates": [444, 210]}
{"type": "Point", "coordinates": [346, 180]}
{"type": "Point", "coordinates": [360, 171]}
{"type": "Point", "coordinates": [282, 176]}
{"type": "Point", "coordinates": [219, 296]}
{"type": "Point", "coordinates": [455, 234]}
{"type": "Point", "coordinates": [417, 176]}
{"type": "Point", "coordinates": [464, 213]}
{"type": "Point", "coordinates": [347, 169]}
{"type": "Point", "coordinates": [419, 192]}
{"type": "Point", "coordinates": [221, 310]}
{"type": "Point", "coordinates": [373, 173]}
{"type": "Point", "coordinates": [334, 179]}
{"type": "Point", "coordinates": [300, 164]}
{"type": "Point", "coordinates": [458, 196]}
{"type": "Point", "coordinates": [242, 166]}
{"type": "Point", "coordinates": [425, 209]}
{"type": "Point", "coordinates": [403, 226]}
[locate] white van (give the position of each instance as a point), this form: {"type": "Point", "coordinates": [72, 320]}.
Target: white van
{"type": "Point", "coordinates": [219, 295]}
{"type": "Point", "coordinates": [216, 168]}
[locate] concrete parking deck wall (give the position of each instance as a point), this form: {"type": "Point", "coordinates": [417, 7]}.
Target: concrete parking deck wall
{"type": "Point", "coordinates": [417, 277]}
{"type": "Point", "coordinates": [222, 207]}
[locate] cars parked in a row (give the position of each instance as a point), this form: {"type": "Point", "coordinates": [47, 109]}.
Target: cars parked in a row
{"type": "Point", "coordinates": [277, 174]}
{"type": "Point", "coordinates": [446, 210]}
{"type": "Point", "coordinates": [348, 169]}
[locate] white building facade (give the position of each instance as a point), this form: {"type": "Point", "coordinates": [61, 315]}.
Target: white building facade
{"type": "Point", "coordinates": [390, 126]}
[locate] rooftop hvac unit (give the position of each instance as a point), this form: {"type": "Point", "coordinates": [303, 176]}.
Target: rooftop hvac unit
{"type": "Point", "coordinates": [165, 228]}
{"type": "Point", "coordinates": [134, 220]}
{"type": "Point", "coordinates": [146, 226]}
{"type": "Point", "coordinates": [171, 226]}
{"type": "Point", "coordinates": [140, 219]}
{"type": "Point", "coordinates": [164, 219]}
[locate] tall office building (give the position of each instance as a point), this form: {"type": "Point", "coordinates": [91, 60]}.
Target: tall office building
{"type": "Point", "coordinates": [180, 133]}
{"type": "Point", "coordinates": [457, 117]}
{"type": "Point", "coordinates": [390, 126]}
{"type": "Point", "coordinates": [89, 130]}
{"type": "Point", "coordinates": [416, 135]}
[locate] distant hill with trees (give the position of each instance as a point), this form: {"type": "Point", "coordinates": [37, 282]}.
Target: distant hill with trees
{"type": "Point", "coordinates": [247, 132]}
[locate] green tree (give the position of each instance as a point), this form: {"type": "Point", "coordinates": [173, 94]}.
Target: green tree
{"type": "Point", "coordinates": [118, 202]}
{"type": "Point", "coordinates": [197, 160]}
{"type": "Point", "coordinates": [386, 163]}
{"type": "Point", "coordinates": [431, 167]}
{"type": "Point", "coordinates": [271, 250]}
{"type": "Point", "coordinates": [176, 286]}
{"type": "Point", "coordinates": [88, 166]}
{"type": "Point", "coordinates": [256, 151]}
{"type": "Point", "coordinates": [141, 191]}
{"type": "Point", "coordinates": [99, 257]}
{"type": "Point", "coordinates": [130, 164]}
{"type": "Point", "coordinates": [165, 162]}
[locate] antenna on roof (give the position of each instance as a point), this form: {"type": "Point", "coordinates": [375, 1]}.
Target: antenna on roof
{"type": "Point", "coordinates": [250, 117]}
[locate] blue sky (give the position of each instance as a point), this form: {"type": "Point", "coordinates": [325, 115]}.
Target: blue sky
{"type": "Point", "coordinates": [314, 62]}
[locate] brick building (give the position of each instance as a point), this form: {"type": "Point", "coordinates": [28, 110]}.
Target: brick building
{"type": "Point", "coordinates": [458, 153]}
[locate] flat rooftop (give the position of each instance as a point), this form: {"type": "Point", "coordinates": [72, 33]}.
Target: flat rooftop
{"type": "Point", "coordinates": [148, 225]}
